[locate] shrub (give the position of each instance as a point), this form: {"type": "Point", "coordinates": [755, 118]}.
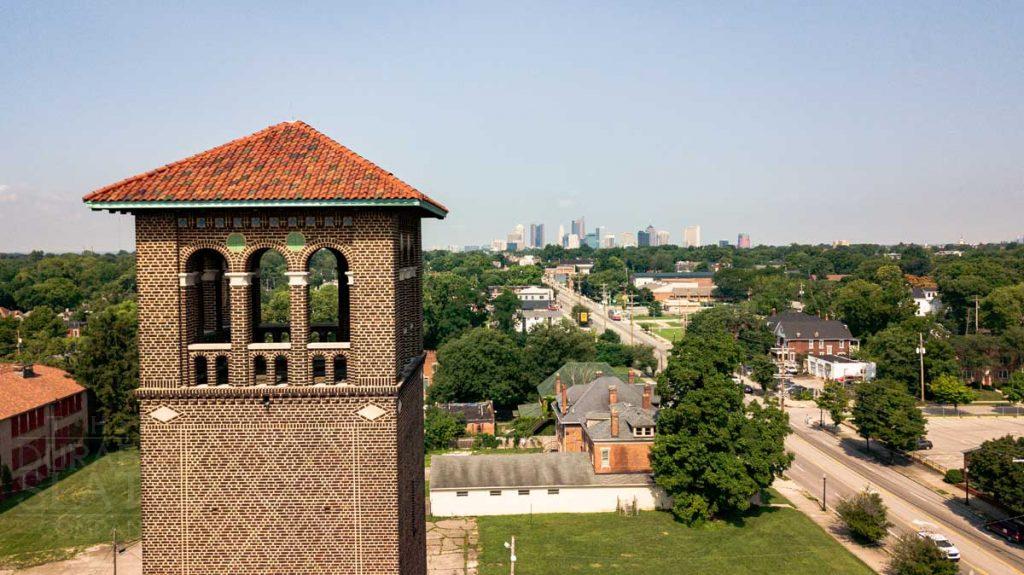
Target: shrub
{"type": "Point", "coordinates": [912, 555]}
{"type": "Point", "coordinates": [954, 476]}
{"type": "Point", "coordinates": [440, 428]}
{"type": "Point", "coordinates": [486, 441]}
{"type": "Point", "coordinates": [865, 516]}
{"type": "Point", "coordinates": [6, 480]}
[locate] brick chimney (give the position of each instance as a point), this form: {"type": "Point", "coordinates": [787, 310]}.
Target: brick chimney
{"type": "Point", "coordinates": [613, 395]}
{"type": "Point", "coordinates": [632, 378]}
{"type": "Point", "coordinates": [558, 385]}
{"type": "Point", "coordinates": [647, 396]}
{"type": "Point", "coordinates": [565, 398]}
{"type": "Point", "coordinates": [615, 421]}
{"type": "Point", "coordinates": [24, 370]}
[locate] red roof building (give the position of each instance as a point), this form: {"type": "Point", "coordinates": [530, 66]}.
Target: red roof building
{"type": "Point", "coordinates": [43, 416]}
{"type": "Point", "coordinates": [286, 165]}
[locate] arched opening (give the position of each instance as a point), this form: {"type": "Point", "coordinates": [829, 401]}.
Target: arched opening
{"type": "Point", "coordinates": [280, 369]}
{"type": "Point", "coordinates": [340, 369]}
{"type": "Point", "coordinates": [319, 369]}
{"type": "Point", "coordinates": [259, 370]}
{"type": "Point", "coordinates": [220, 366]}
{"type": "Point", "coordinates": [208, 299]}
{"type": "Point", "coordinates": [329, 297]}
{"type": "Point", "coordinates": [202, 375]}
{"type": "Point", "coordinates": [271, 299]}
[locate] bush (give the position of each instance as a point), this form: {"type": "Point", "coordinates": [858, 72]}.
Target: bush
{"type": "Point", "coordinates": [912, 555]}
{"type": "Point", "coordinates": [954, 476]}
{"type": "Point", "coordinates": [486, 441]}
{"type": "Point", "coordinates": [6, 480]}
{"type": "Point", "coordinates": [865, 516]}
{"type": "Point", "coordinates": [440, 428]}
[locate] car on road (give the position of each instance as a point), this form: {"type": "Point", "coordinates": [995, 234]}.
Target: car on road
{"type": "Point", "coordinates": [1010, 529]}
{"type": "Point", "coordinates": [923, 443]}
{"type": "Point", "coordinates": [943, 543]}
{"type": "Point", "coordinates": [614, 315]}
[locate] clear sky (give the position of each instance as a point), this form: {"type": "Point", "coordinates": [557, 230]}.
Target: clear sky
{"type": "Point", "coordinates": [883, 122]}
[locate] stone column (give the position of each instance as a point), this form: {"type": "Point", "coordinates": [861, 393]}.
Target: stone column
{"type": "Point", "coordinates": [189, 316]}
{"type": "Point", "coordinates": [240, 283]}
{"type": "Point", "coordinates": [299, 369]}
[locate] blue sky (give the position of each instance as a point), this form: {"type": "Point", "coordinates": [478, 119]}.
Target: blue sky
{"type": "Point", "coordinates": [796, 123]}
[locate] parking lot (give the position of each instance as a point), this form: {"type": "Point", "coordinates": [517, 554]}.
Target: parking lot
{"type": "Point", "coordinates": [954, 435]}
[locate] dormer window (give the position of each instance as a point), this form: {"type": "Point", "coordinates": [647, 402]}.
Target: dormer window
{"type": "Point", "coordinates": [643, 431]}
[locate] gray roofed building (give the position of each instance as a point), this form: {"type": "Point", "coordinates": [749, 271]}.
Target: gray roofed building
{"type": "Point", "coordinates": [527, 470]}
{"type": "Point", "coordinates": [793, 325]}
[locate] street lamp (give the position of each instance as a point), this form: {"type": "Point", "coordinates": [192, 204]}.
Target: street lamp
{"type": "Point", "coordinates": [824, 492]}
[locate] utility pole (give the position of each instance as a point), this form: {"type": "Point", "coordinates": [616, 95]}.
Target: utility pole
{"type": "Point", "coordinates": [920, 355]}
{"type": "Point", "coordinates": [114, 551]}
{"type": "Point", "coordinates": [824, 492]}
{"type": "Point", "coordinates": [975, 314]}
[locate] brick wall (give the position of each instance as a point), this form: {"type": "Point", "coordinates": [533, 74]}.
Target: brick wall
{"type": "Point", "coordinates": [623, 457]}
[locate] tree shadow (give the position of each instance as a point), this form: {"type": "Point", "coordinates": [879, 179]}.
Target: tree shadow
{"type": "Point", "coordinates": [14, 499]}
{"type": "Point", "coordinates": [880, 454]}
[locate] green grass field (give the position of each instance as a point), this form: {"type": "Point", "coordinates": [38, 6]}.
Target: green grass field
{"type": "Point", "coordinates": [670, 333]}
{"type": "Point", "coordinates": [77, 511]}
{"type": "Point", "coordinates": [776, 541]}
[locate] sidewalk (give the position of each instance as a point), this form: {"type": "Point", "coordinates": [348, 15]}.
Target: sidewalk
{"type": "Point", "coordinates": [809, 505]}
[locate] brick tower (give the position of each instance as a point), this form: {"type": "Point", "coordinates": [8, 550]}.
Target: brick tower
{"type": "Point", "coordinates": [276, 437]}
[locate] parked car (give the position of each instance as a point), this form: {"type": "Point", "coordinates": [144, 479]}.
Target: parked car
{"type": "Point", "coordinates": [943, 543]}
{"type": "Point", "coordinates": [923, 443]}
{"type": "Point", "coordinates": [1010, 529]}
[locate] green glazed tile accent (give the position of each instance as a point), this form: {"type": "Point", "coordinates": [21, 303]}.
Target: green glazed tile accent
{"type": "Point", "coordinates": [236, 242]}
{"type": "Point", "coordinates": [295, 241]}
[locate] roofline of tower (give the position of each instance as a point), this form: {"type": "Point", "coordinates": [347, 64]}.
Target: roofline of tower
{"type": "Point", "coordinates": [434, 210]}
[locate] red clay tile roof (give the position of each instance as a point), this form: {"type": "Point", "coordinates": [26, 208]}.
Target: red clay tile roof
{"type": "Point", "coordinates": [18, 395]}
{"type": "Point", "coordinates": [286, 162]}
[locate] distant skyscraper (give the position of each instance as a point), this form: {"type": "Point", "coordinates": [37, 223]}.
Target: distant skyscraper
{"type": "Point", "coordinates": [627, 240]}
{"type": "Point", "coordinates": [572, 242]}
{"type": "Point", "coordinates": [643, 238]}
{"type": "Point", "coordinates": [743, 241]}
{"type": "Point", "coordinates": [536, 235]}
{"type": "Point", "coordinates": [498, 245]}
{"type": "Point", "coordinates": [691, 236]}
{"type": "Point", "coordinates": [592, 240]}
{"type": "Point", "coordinates": [608, 241]}
{"type": "Point", "coordinates": [600, 231]}
{"type": "Point", "coordinates": [517, 237]}
{"type": "Point", "coordinates": [724, 243]}
{"type": "Point", "coordinates": [579, 227]}
{"type": "Point", "coordinates": [560, 240]}
{"type": "Point", "coordinates": [663, 238]}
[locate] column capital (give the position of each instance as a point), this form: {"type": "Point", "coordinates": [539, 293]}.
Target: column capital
{"type": "Point", "coordinates": [187, 279]}
{"type": "Point", "coordinates": [209, 275]}
{"type": "Point", "coordinates": [242, 279]}
{"type": "Point", "coordinates": [297, 278]}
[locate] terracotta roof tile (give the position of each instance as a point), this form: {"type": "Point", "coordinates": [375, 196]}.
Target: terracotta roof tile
{"type": "Point", "coordinates": [287, 161]}
{"type": "Point", "coordinates": [18, 394]}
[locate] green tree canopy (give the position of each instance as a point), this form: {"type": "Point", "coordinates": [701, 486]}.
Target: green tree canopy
{"type": "Point", "coordinates": [441, 427]}
{"type": "Point", "coordinates": [912, 555]}
{"type": "Point", "coordinates": [549, 347]}
{"type": "Point", "coordinates": [950, 389]}
{"type": "Point", "coordinates": [835, 399]}
{"type": "Point", "coordinates": [507, 311]}
{"type": "Point", "coordinates": [993, 471]}
{"type": "Point", "coordinates": [451, 305]}
{"type": "Point", "coordinates": [885, 411]}
{"type": "Point", "coordinates": [895, 351]}
{"type": "Point", "coordinates": [480, 364]}
{"type": "Point", "coordinates": [1003, 308]}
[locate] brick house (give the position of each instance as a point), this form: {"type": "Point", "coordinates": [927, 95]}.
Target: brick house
{"type": "Point", "coordinates": [798, 334]}
{"type": "Point", "coordinates": [43, 418]}
{"type": "Point", "coordinates": [479, 416]}
{"type": "Point", "coordinates": [613, 422]}
{"type": "Point", "coordinates": [278, 447]}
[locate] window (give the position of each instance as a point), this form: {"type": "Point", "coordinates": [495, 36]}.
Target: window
{"type": "Point", "coordinates": [280, 369]}
{"type": "Point", "coordinates": [524, 491]}
{"type": "Point", "coordinates": [605, 457]}
{"type": "Point", "coordinates": [221, 369]}
{"type": "Point", "coordinates": [552, 492]}
{"type": "Point", "coordinates": [462, 494]}
{"type": "Point", "coordinates": [340, 369]}
{"type": "Point", "coordinates": [495, 492]}
{"type": "Point", "coordinates": [319, 369]}
{"type": "Point", "coordinates": [202, 377]}
{"type": "Point", "coordinates": [259, 369]}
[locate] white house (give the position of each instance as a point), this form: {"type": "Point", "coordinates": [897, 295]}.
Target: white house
{"type": "Point", "coordinates": [927, 300]}
{"type": "Point", "coordinates": [535, 317]}
{"type": "Point", "coordinates": [474, 485]}
{"type": "Point", "coordinates": [839, 367]}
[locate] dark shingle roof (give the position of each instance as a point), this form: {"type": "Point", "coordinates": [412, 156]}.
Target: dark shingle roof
{"type": "Point", "coordinates": [574, 373]}
{"type": "Point", "coordinates": [479, 412]}
{"type": "Point", "coordinates": [796, 325]}
{"type": "Point", "coordinates": [589, 403]}
{"type": "Point", "coordinates": [524, 471]}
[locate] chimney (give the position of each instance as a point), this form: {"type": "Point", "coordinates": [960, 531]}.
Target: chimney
{"type": "Point", "coordinates": [565, 398]}
{"type": "Point", "coordinates": [631, 376]}
{"type": "Point", "coordinates": [613, 395]}
{"type": "Point", "coordinates": [24, 370]}
{"type": "Point", "coordinates": [615, 421]}
{"type": "Point", "coordinates": [647, 396]}
{"type": "Point", "coordinates": [558, 385]}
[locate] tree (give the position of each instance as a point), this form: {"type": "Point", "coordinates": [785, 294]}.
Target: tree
{"type": "Point", "coordinates": [451, 305]}
{"type": "Point", "coordinates": [548, 347]}
{"type": "Point", "coordinates": [323, 304]}
{"type": "Point", "coordinates": [834, 398]}
{"type": "Point", "coordinates": [654, 308]}
{"type": "Point", "coordinates": [885, 411]}
{"type": "Point", "coordinates": [480, 364]}
{"type": "Point", "coordinates": [763, 371]}
{"type": "Point", "coordinates": [1003, 308]}
{"type": "Point", "coordinates": [107, 364]}
{"type": "Point", "coordinates": [441, 427]}
{"type": "Point", "coordinates": [8, 336]}
{"type": "Point", "coordinates": [522, 428]}
{"type": "Point", "coordinates": [865, 516]}
{"type": "Point", "coordinates": [894, 349]}
{"type": "Point", "coordinates": [950, 389]}
{"type": "Point", "coordinates": [912, 555]}
{"type": "Point", "coordinates": [992, 469]}
{"type": "Point", "coordinates": [507, 311]}
{"type": "Point", "coordinates": [6, 480]}
{"type": "Point", "coordinates": [278, 308]}
{"type": "Point", "coordinates": [696, 357]}
{"type": "Point", "coordinates": [712, 453]}
{"type": "Point", "coordinates": [1013, 391]}
{"type": "Point", "coordinates": [869, 306]}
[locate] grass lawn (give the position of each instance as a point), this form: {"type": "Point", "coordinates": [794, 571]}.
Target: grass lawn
{"type": "Point", "coordinates": [670, 333]}
{"type": "Point", "coordinates": [776, 541]}
{"type": "Point", "coordinates": [78, 511]}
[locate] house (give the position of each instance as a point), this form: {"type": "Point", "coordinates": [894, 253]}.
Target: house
{"type": "Point", "coordinates": [530, 297]}
{"type": "Point", "coordinates": [6, 313]}
{"type": "Point", "coordinates": [927, 300]}
{"type": "Point", "coordinates": [479, 416]}
{"type": "Point", "coordinates": [611, 421]}
{"type": "Point", "coordinates": [43, 418]}
{"type": "Point", "coordinates": [675, 291]}
{"type": "Point", "coordinates": [429, 367]}
{"type": "Point", "coordinates": [798, 334]}
{"type": "Point", "coordinates": [578, 266]}
{"type": "Point", "coordinates": [535, 317]}
{"type": "Point", "coordinates": [839, 368]}
{"type": "Point", "coordinates": [534, 483]}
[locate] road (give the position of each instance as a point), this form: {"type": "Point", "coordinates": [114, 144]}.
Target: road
{"type": "Point", "coordinates": [912, 505]}
{"type": "Point", "coordinates": [600, 322]}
